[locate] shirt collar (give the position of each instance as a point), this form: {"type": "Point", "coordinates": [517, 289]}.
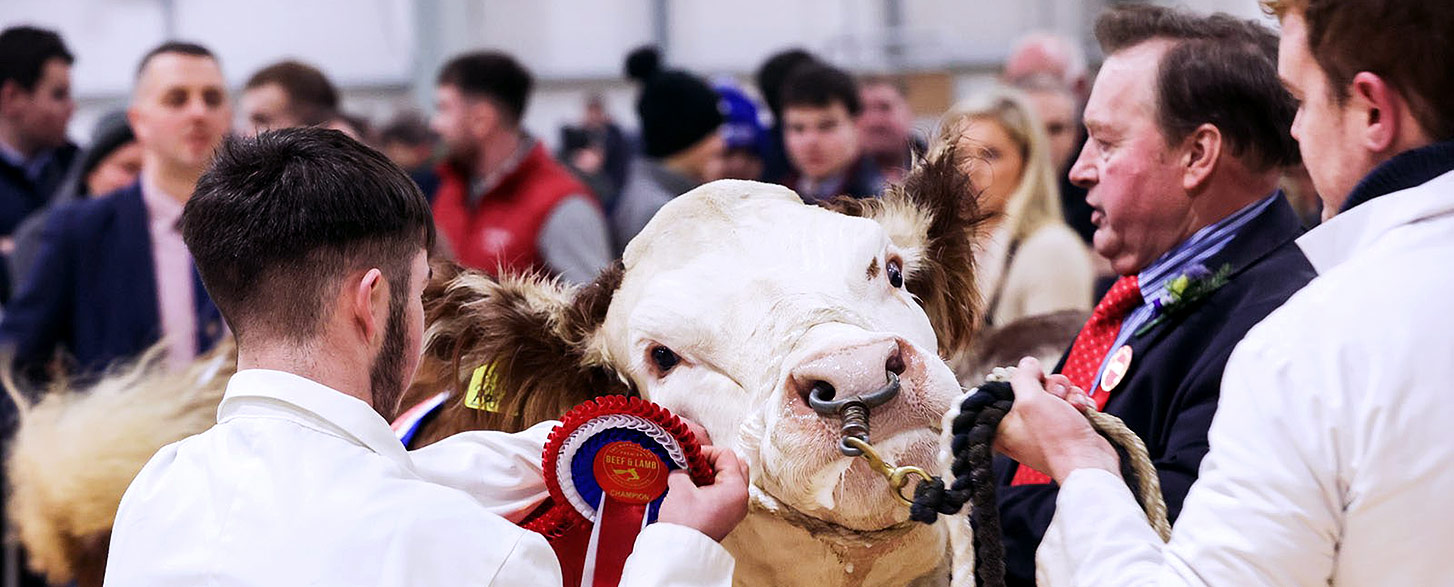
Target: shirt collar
{"type": "Point", "coordinates": [823, 189]}
{"type": "Point", "coordinates": [30, 167]}
{"type": "Point", "coordinates": [1342, 236]}
{"type": "Point", "coordinates": [278, 394]}
{"type": "Point", "coordinates": [481, 186]}
{"type": "Point", "coordinates": [160, 205]}
{"type": "Point", "coordinates": [1197, 248]}
{"type": "Point", "coordinates": [1403, 171]}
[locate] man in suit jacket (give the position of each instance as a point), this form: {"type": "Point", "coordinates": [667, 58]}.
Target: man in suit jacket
{"type": "Point", "coordinates": [113, 276]}
{"type": "Point", "coordinates": [35, 107]}
{"type": "Point", "coordinates": [1182, 177]}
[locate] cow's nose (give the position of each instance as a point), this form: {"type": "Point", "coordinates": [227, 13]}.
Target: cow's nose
{"type": "Point", "coordinates": [850, 370]}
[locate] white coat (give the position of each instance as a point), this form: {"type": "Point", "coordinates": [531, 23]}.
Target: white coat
{"type": "Point", "coordinates": [1331, 456]}
{"type": "Point", "coordinates": [299, 484]}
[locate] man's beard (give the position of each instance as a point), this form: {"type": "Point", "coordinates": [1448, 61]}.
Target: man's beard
{"type": "Point", "coordinates": [462, 156]}
{"type": "Point", "coordinates": [386, 377]}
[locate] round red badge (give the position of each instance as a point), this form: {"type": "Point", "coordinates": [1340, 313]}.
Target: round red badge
{"type": "Point", "coordinates": [1116, 369]}
{"type": "Point", "coordinates": [630, 473]}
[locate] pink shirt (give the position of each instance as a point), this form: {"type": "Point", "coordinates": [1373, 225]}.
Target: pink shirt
{"type": "Point", "coordinates": [175, 304]}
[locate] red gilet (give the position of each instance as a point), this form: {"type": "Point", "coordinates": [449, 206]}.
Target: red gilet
{"type": "Point", "coordinates": [502, 231]}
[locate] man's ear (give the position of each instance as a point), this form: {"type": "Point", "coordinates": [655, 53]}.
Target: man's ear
{"type": "Point", "coordinates": [1380, 112]}
{"type": "Point", "coordinates": [369, 305]}
{"type": "Point", "coordinates": [482, 117]}
{"type": "Point", "coordinates": [1203, 151]}
{"type": "Point", "coordinates": [133, 119]}
{"type": "Point", "coordinates": [9, 91]}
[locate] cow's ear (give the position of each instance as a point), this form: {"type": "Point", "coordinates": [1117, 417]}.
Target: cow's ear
{"type": "Point", "coordinates": [515, 351]}
{"type": "Point", "coordinates": [933, 216]}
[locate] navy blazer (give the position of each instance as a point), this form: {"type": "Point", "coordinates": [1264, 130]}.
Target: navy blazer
{"type": "Point", "coordinates": [92, 291]}
{"type": "Point", "coordinates": [1170, 392]}
{"type": "Point", "coordinates": [20, 197]}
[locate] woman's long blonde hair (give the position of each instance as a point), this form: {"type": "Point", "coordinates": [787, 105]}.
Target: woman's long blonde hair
{"type": "Point", "coordinates": [1035, 202]}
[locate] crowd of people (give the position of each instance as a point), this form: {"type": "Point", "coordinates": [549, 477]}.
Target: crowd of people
{"type": "Point", "coordinates": [1167, 195]}
{"type": "Point", "coordinates": [72, 303]}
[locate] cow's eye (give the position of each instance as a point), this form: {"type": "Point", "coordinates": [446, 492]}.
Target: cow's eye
{"type": "Point", "coordinates": [895, 270]}
{"type": "Point", "coordinates": [664, 359]}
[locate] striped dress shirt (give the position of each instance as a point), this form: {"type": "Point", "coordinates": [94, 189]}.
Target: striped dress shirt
{"type": "Point", "coordinates": [1192, 252]}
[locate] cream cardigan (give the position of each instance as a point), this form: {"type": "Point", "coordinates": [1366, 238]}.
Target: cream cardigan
{"type": "Point", "coordinates": [1051, 271]}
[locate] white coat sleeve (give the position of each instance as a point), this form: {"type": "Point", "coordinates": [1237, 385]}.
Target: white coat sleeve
{"type": "Point", "coordinates": [1266, 509]}
{"type": "Point", "coordinates": [500, 470]}
{"type": "Point", "coordinates": [531, 562]}
{"type": "Point", "coordinates": [669, 554]}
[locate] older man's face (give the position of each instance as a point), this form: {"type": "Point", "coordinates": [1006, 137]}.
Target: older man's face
{"type": "Point", "coordinates": [886, 119]}
{"type": "Point", "coordinates": [1132, 174]}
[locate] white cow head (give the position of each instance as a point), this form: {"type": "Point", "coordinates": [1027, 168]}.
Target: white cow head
{"type": "Point", "coordinates": [727, 309]}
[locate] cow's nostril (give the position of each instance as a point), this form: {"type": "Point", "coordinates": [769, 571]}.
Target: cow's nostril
{"type": "Point", "coordinates": [821, 389]}
{"type": "Point", "coordinates": [895, 363]}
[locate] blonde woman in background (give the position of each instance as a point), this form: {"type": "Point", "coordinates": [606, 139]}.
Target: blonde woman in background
{"type": "Point", "coordinates": [1032, 263]}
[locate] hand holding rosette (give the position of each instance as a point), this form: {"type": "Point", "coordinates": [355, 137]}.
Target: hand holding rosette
{"type": "Point", "coordinates": [610, 466]}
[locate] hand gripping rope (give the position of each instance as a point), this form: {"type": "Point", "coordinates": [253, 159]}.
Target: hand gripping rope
{"type": "Point", "coordinates": [972, 446]}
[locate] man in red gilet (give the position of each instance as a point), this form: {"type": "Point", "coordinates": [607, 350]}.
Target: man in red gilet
{"type": "Point", "coordinates": [502, 202]}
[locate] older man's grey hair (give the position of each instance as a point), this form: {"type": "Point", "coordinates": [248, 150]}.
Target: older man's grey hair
{"type": "Point", "coordinates": [1044, 52]}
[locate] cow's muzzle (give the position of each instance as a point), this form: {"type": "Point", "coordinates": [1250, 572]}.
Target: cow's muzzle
{"type": "Point", "coordinates": [848, 382]}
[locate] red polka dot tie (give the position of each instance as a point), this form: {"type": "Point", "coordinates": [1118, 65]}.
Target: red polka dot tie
{"type": "Point", "coordinates": [1089, 351]}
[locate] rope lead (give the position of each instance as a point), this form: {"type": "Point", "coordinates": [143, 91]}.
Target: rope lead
{"type": "Point", "coordinates": [972, 446]}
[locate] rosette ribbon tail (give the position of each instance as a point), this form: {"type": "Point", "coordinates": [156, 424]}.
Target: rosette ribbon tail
{"type": "Point", "coordinates": [617, 525]}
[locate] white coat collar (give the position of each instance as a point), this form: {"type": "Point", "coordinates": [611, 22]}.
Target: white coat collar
{"type": "Point", "coordinates": [1344, 235]}
{"type": "Point", "coordinates": [277, 394]}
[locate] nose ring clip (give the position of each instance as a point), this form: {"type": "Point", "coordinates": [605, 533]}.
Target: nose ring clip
{"type": "Point", "coordinates": [853, 411]}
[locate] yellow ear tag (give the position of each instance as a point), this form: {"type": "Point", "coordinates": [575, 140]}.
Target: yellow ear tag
{"type": "Point", "coordinates": [483, 390]}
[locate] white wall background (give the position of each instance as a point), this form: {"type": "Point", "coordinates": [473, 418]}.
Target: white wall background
{"type": "Point", "coordinates": [384, 53]}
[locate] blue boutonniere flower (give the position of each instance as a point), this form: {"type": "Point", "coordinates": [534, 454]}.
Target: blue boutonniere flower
{"type": "Point", "coordinates": [1184, 291]}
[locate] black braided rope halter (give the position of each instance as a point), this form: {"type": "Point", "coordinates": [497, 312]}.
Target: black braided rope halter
{"type": "Point", "coordinates": [972, 445]}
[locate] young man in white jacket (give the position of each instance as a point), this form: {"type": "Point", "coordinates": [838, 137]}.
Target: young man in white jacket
{"type": "Point", "coordinates": [314, 248]}
{"type": "Point", "coordinates": [1330, 457]}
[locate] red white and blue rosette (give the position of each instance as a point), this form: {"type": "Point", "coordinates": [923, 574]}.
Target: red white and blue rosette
{"type": "Point", "coordinates": [606, 467]}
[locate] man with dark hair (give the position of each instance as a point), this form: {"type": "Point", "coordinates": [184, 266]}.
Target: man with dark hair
{"type": "Point", "coordinates": [1329, 459]}
{"type": "Point", "coordinates": [820, 130]}
{"type": "Point", "coordinates": [287, 94]}
{"type": "Point", "coordinates": [770, 77]}
{"type": "Point", "coordinates": [503, 203]}
{"type": "Point", "coordinates": [35, 107]}
{"type": "Point", "coordinates": [887, 126]}
{"type": "Point", "coordinates": [1187, 143]}
{"type": "Point", "coordinates": [112, 276]}
{"type": "Point", "coordinates": [301, 480]}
